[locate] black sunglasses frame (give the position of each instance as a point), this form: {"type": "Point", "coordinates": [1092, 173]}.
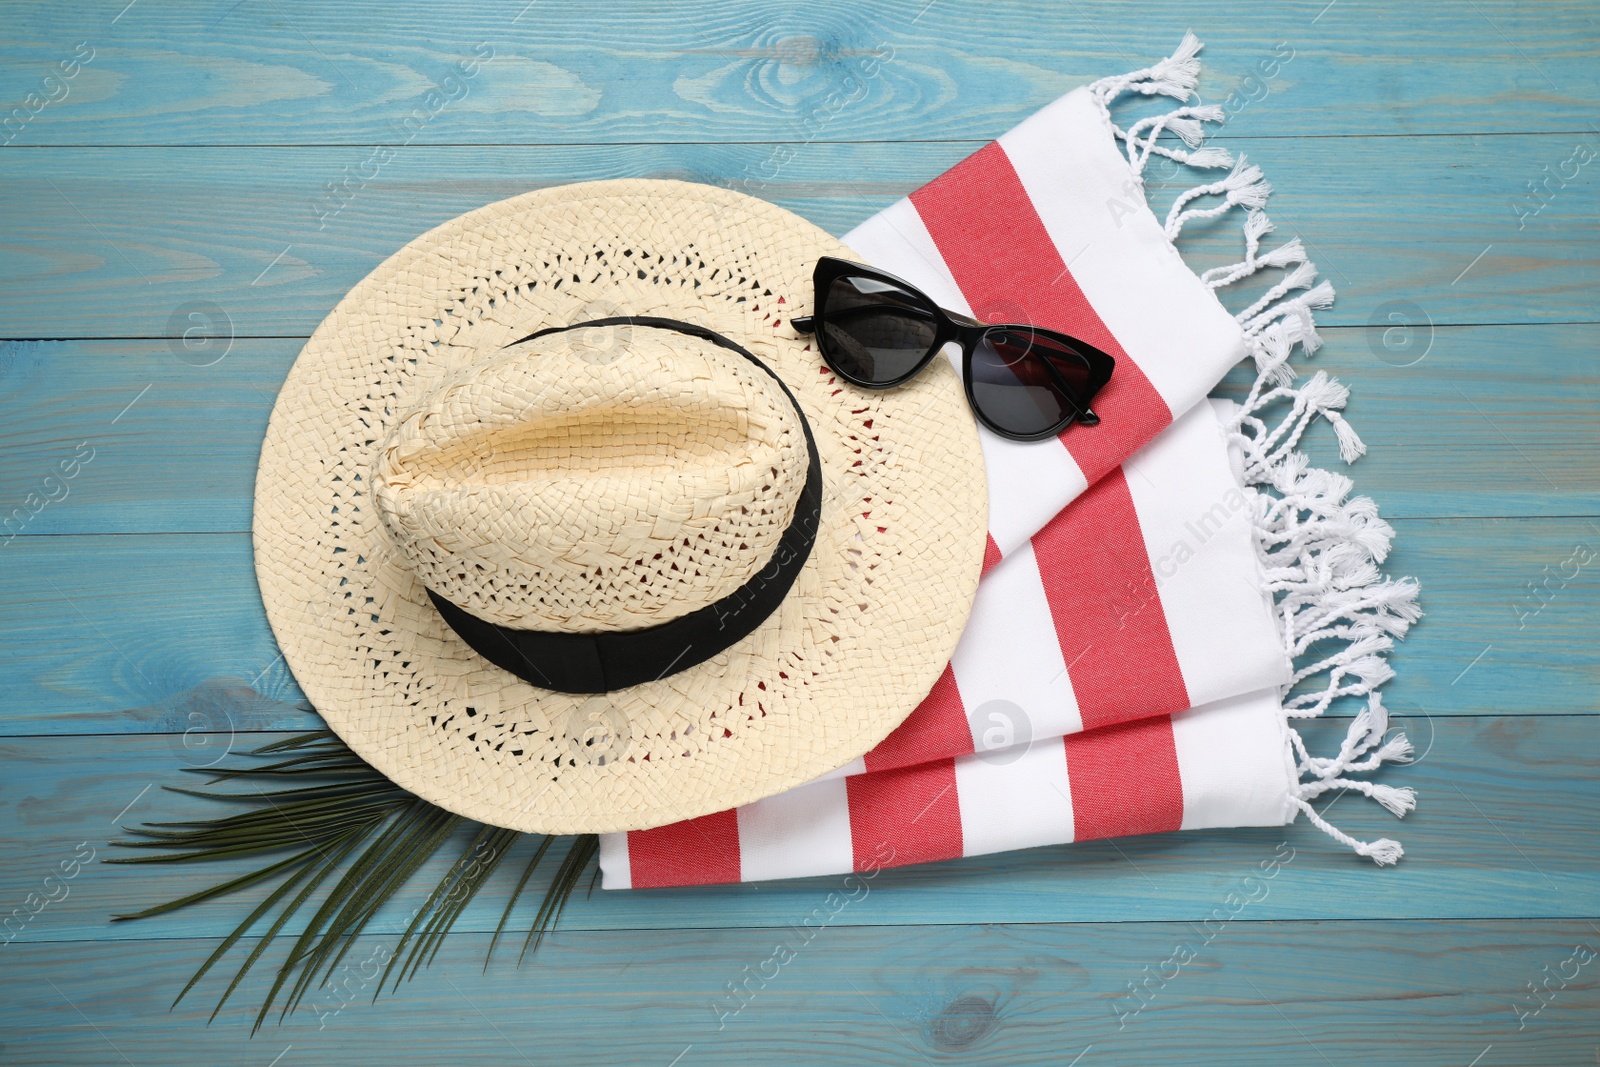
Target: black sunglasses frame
{"type": "Point", "coordinates": [950, 326]}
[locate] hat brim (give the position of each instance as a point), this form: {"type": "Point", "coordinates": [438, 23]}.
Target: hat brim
{"type": "Point", "coordinates": [863, 636]}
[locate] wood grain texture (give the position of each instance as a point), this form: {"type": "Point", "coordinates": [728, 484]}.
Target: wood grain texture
{"type": "Point", "coordinates": [178, 187]}
{"type": "Point", "coordinates": [114, 242]}
{"type": "Point", "coordinates": [1394, 994]}
{"type": "Point", "coordinates": [290, 72]}
{"type": "Point", "coordinates": [1490, 421]}
{"type": "Point", "coordinates": [1493, 421]}
{"type": "Point", "coordinates": [1504, 829]}
{"type": "Point", "coordinates": [177, 628]}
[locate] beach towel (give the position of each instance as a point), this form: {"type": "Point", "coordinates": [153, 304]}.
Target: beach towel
{"type": "Point", "coordinates": [1163, 593]}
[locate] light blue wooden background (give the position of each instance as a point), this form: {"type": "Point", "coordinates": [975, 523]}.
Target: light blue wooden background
{"type": "Point", "coordinates": [174, 183]}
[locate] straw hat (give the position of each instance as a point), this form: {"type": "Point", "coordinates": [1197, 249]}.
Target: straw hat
{"type": "Point", "coordinates": [563, 528]}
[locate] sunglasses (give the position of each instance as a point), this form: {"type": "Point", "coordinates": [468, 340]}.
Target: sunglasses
{"type": "Point", "coordinates": [1023, 382]}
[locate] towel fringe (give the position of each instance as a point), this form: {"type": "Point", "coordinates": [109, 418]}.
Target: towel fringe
{"type": "Point", "coordinates": [1176, 76]}
{"type": "Point", "coordinates": [1243, 187]}
{"type": "Point", "coordinates": [1320, 550]}
{"type": "Point", "coordinates": [1366, 734]}
{"type": "Point", "coordinates": [1384, 851]}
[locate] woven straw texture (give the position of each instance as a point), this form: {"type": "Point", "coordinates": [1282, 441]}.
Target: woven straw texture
{"type": "Point", "coordinates": [552, 490]}
{"type": "Point", "coordinates": [865, 632]}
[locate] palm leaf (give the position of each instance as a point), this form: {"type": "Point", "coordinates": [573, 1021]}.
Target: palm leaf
{"type": "Point", "coordinates": [266, 939]}
{"type": "Point", "coordinates": [316, 815]}
{"type": "Point", "coordinates": [555, 898]}
{"type": "Point", "coordinates": [405, 844]}
{"type": "Point", "coordinates": [516, 894]}
{"type": "Point", "coordinates": [455, 891]}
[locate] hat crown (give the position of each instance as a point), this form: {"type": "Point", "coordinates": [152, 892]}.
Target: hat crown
{"type": "Point", "coordinates": [596, 480]}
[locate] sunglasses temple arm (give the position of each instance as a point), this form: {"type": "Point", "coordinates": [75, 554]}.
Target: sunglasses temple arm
{"type": "Point", "coordinates": [808, 323]}
{"type": "Point", "coordinates": [1086, 415]}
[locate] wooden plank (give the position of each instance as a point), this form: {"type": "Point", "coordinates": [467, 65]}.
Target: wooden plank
{"type": "Point", "coordinates": [124, 242]}
{"type": "Point", "coordinates": [1383, 993]}
{"type": "Point", "coordinates": [1499, 633]}
{"type": "Point", "coordinates": [137, 633]}
{"type": "Point", "coordinates": [1511, 431]}
{"type": "Point", "coordinates": [132, 634]}
{"type": "Point", "coordinates": [1502, 830]}
{"type": "Point", "coordinates": [125, 436]}
{"type": "Point", "coordinates": [193, 73]}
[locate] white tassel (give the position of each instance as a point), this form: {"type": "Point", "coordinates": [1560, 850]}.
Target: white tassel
{"type": "Point", "coordinates": [1176, 76]}
{"type": "Point", "coordinates": [1256, 226]}
{"type": "Point", "coordinates": [1285, 255]}
{"type": "Point", "coordinates": [1243, 186]}
{"type": "Point", "coordinates": [1384, 851]}
{"type": "Point", "coordinates": [1397, 749]}
{"type": "Point", "coordinates": [1208, 158]}
{"type": "Point", "coordinates": [1350, 446]}
{"type": "Point", "coordinates": [1301, 277]}
{"type": "Point", "coordinates": [1320, 550]}
{"type": "Point", "coordinates": [1366, 730]}
{"type": "Point", "coordinates": [1294, 313]}
{"type": "Point", "coordinates": [1324, 393]}
{"type": "Point", "coordinates": [1398, 801]}
{"type": "Point", "coordinates": [1142, 136]}
{"type": "Point", "coordinates": [1270, 350]}
{"type": "Point", "coordinates": [1189, 131]}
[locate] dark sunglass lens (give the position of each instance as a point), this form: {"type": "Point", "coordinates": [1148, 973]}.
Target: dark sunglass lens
{"type": "Point", "coordinates": [874, 331]}
{"type": "Point", "coordinates": [1027, 383]}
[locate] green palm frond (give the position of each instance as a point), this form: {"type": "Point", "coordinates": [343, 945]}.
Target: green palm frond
{"type": "Point", "coordinates": [318, 815]}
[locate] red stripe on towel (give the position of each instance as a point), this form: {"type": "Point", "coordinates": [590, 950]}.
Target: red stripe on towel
{"type": "Point", "coordinates": [703, 851]}
{"type": "Point", "coordinates": [1107, 611]}
{"type": "Point", "coordinates": [1124, 780]}
{"type": "Point", "coordinates": [937, 729]}
{"type": "Point", "coordinates": [991, 555]}
{"type": "Point", "coordinates": [1002, 257]}
{"type": "Point", "coordinates": [909, 815]}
